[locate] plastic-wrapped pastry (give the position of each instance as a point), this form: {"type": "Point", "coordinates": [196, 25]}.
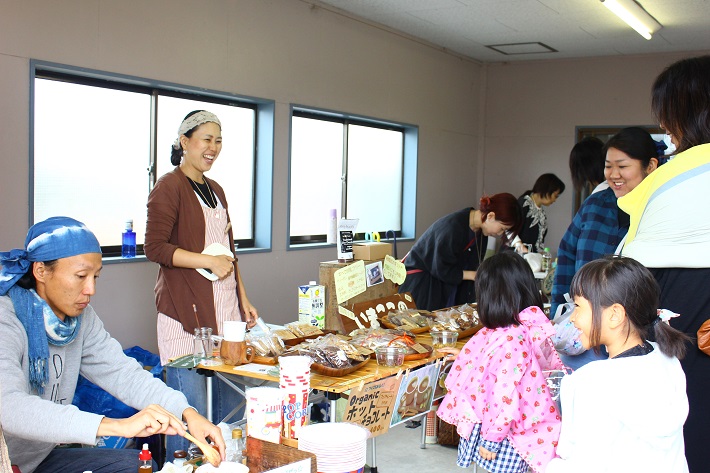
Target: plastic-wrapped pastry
{"type": "Point", "coordinates": [266, 344]}
{"type": "Point", "coordinates": [329, 350]}
{"type": "Point", "coordinates": [303, 329]}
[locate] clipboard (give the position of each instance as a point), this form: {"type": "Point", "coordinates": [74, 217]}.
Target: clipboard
{"type": "Point", "coordinates": [215, 249]}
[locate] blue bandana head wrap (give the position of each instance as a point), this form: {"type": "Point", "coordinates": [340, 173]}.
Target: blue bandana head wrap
{"type": "Point", "coordinates": [49, 240]}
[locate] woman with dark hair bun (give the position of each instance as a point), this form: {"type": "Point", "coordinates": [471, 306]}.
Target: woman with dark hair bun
{"type": "Point", "coordinates": [187, 213]}
{"type": "Point", "coordinates": [442, 264]}
{"type": "Point", "coordinates": [670, 229]}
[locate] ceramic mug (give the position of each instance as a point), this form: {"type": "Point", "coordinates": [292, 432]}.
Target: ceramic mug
{"type": "Point", "coordinates": [236, 353]}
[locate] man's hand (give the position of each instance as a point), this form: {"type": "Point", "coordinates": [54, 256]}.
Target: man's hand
{"type": "Point", "coordinates": [154, 419]}
{"type": "Point", "coordinates": [201, 429]}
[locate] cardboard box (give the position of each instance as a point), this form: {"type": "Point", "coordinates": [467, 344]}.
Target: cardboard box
{"type": "Point", "coordinates": [371, 250]}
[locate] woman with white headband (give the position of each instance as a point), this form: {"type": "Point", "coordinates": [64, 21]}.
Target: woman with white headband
{"type": "Point", "coordinates": [187, 212]}
{"type": "Point", "coordinates": [49, 334]}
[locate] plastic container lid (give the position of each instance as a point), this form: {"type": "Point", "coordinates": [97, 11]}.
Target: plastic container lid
{"type": "Point", "coordinates": [312, 283]}
{"type": "Point", "coordinates": [236, 433]}
{"type": "Point", "coordinates": [145, 453]}
{"type": "Point", "coordinates": [180, 454]}
{"type": "Point", "coordinates": [129, 224]}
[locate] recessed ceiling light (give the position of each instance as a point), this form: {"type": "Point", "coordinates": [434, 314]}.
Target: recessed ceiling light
{"type": "Point", "coordinates": [512, 49]}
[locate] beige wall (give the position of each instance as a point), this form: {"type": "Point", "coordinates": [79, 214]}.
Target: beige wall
{"type": "Point", "coordinates": [276, 49]}
{"type": "Point", "coordinates": [486, 129]}
{"type": "Point", "coordinates": [532, 110]}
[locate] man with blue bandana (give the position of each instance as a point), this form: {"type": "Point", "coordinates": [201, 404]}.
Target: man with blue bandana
{"type": "Point", "coordinates": [49, 334]}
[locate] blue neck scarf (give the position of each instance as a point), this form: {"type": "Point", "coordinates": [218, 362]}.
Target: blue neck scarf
{"type": "Point", "coordinates": [42, 327]}
{"type": "Point", "coordinates": [49, 240]}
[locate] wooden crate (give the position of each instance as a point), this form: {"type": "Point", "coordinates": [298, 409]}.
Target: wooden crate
{"type": "Point", "coordinates": [332, 318]}
{"type": "Point", "coordinates": [264, 456]}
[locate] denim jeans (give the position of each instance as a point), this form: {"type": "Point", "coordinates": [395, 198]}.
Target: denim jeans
{"type": "Point", "coordinates": [194, 387]}
{"type": "Point", "coordinates": [96, 460]}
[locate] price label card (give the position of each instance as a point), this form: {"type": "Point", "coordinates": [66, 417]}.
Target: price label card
{"type": "Point", "coordinates": [372, 405]}
{"type": "Point", "coordinates": [394, 270]}
{"type": "Point", "coordinates": [350, 281]}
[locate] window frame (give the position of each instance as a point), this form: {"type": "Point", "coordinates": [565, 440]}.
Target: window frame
{"type": "Point", "coordinates": [410, 142]}
{"type": "Point", "coordinates": [263, 138]}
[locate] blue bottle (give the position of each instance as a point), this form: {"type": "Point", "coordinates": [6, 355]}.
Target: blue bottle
{"type": "Point", "coordinates": [128, 247]}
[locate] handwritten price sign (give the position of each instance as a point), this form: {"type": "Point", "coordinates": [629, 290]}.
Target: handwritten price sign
{"type": "Point", "coordinates": [372, 405]}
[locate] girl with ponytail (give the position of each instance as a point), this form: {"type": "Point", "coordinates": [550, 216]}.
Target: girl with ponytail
{"type": "Point", "coordinates": [625, 413]}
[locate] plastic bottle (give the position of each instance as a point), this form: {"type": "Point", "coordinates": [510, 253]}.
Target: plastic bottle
{"type": "Point", "coordinates": [128, 246]}
{"type": "Point", "coordinates": [332, 235]}
{"type": "Point", "coordinates": [145, 460]}
{"type": "Point", "coordinates": [236, 446]}
{"type": "Point", "coordinates": [546, 264]}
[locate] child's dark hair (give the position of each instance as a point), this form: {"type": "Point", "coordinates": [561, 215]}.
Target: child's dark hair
{"type": "Point", "coordinates": [622, 280]}
{"type": "Point", "coordinates": [505, 286]}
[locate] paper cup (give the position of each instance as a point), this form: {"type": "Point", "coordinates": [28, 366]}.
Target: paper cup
{"type": "Point", "coordinates": [234, 330]}
{"type": "Point", "coordinates": [294, 381]}
{"type": "Point", "coordinates": [264, 413]}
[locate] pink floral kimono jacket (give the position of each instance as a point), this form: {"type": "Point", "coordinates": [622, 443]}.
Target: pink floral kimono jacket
{"type": "Point", "coordinates": [497, 380]}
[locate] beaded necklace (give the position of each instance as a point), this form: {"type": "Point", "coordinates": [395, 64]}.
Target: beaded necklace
{"type": "Point", "coordinates": [212, 201]}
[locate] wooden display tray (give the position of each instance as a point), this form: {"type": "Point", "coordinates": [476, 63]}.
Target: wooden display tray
{"type": "Point", "coordinates": [469, 331]}
{"type": "Point", "coordinates": [291, 342]}
{"type": "Point", "coordinates": [265, 360]}
{"type": "Point", "coordinates": [335, 372]}
{"type": "Point", "coordinates": [415, 331]}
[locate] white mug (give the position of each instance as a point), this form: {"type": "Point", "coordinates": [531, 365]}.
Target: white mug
{"type": "Point", "coordinates": [234, 330]}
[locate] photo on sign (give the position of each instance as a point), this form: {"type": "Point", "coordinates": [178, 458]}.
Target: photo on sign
{"type": "Point", "coordinates": [440, 390]}
{"type": "Point", "coordinates": [374, 273]}
{"type": "Point", "coordinates": [416, 393]}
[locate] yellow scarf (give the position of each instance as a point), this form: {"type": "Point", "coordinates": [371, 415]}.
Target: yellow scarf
{"type": "Point", "coordinates": [634, 203]}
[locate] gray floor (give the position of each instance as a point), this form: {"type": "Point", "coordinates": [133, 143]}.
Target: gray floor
{"type": "Point", "coordinates": [398, 451]}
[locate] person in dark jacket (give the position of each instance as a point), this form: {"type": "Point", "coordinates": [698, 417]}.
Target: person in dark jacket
{"type": "Point", "coordinates": [442, 264]}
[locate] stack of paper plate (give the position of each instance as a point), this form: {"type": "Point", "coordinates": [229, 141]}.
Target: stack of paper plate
{"type": "Point", "coordinates": [338, 447]}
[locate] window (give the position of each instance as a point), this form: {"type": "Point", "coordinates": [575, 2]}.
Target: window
{"type": "Point", "coordinates": [101, 141]}
{"type": "Point", "coordinates": [363, 168]}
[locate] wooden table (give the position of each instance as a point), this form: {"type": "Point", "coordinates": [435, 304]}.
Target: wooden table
{"type": "Point", "coordinates": [335, 386]}
{"type": "Point", "coordinates": [370, 372]}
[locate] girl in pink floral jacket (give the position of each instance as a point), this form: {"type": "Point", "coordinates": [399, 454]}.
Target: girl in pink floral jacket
{"type": "Point", "coordinates": [497, 391]}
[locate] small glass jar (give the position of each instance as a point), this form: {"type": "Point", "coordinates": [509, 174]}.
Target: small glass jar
{"type": "Point", "coordinates": [179, 457]}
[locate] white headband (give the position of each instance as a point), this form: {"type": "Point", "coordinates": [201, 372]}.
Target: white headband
{"type": "Point", "coordinates": [195, 120]}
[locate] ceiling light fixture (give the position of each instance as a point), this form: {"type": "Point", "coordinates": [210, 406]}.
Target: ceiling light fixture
{"type": "Point", "coordinates": [634, 15]}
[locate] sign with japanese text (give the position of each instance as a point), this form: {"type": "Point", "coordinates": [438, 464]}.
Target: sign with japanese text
{"type": "Point", "coordinates": [372, 404]}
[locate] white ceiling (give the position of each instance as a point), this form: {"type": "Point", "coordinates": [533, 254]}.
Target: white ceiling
{"type": "Point", "coordinates": [575, 28]}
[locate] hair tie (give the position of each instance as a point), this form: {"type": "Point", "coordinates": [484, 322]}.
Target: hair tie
{"type": "Point", "coordinates": [663, 315]}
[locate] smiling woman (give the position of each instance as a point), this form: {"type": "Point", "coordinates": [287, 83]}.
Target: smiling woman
{"type": "Point", "coordinates": [188, 214]}
{"type": "Point", "coordinates": [600, 226]}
